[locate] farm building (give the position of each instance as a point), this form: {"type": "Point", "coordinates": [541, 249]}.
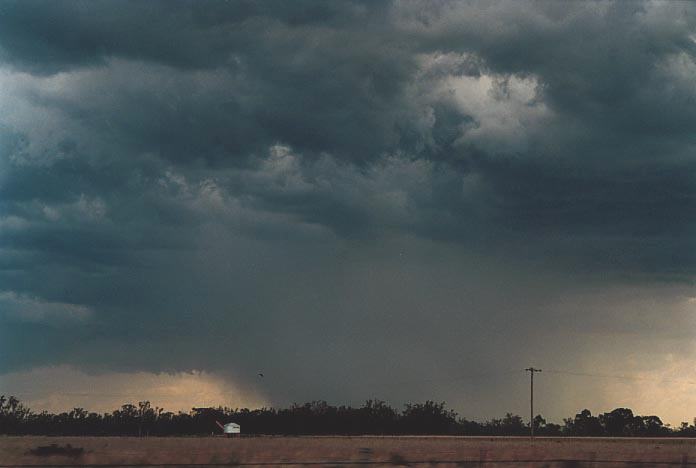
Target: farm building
{"type": "Point", "coordinates": [230, 429]}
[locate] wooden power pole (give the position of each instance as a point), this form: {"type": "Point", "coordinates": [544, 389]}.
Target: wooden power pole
{"type": "Point", "coordinates": [531, 371]}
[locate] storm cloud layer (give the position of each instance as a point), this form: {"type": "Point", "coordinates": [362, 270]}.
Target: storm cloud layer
{"type": "Point", "coordinates": [361, 199]}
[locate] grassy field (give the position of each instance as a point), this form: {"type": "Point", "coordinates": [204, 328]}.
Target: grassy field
{"type": "Point", "coordinates": [346, 451]}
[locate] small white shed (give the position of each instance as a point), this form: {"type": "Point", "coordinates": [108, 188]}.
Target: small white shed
{"type": "Point", "coordinates": [232, 428]}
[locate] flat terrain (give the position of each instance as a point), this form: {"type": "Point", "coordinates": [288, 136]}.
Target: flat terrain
{"type": "Point", "coordinates": [346, 451]}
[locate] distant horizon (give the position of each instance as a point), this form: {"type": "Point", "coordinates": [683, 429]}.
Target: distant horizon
{"type": "Point", "coordinates": [194, 409]}
{"type": "Point", "coordinates": [321, 418]}
{"type": "Point", "coordinates": [334, 404]}
{"type": "Point", "coordinates": [71, 400]}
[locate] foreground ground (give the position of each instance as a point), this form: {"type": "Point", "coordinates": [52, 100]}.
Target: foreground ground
{"type": "Point", "coordinates": [345, 451]}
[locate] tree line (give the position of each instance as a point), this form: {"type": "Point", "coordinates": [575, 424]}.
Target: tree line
{"type": "Point", "coordinates": [319, 418]}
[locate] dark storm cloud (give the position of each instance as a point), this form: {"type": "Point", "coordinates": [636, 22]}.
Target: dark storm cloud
{"type": "Point", "coordinates": [409, 180]}
{"type": "Point", "coordinates": [287, 75]}
{"type": "Point", "coordinates": [44, 38]}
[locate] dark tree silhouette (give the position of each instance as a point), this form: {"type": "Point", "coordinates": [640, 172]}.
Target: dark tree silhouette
{"type": "Point", "coordinates": [428, 418]}
{"type": "Point", "coordinates": [584, 424]}
{"type": "Point", "coordinates": [621, 422]}
{"type": "Point", "coordinates": [318, 417]}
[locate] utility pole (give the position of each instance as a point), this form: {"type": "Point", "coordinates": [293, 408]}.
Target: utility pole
{"type": "Point", "coordinates": [531, 371]}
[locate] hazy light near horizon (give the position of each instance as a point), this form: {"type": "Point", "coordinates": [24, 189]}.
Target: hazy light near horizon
{"type": "Point", "coordinates": [63, 388]}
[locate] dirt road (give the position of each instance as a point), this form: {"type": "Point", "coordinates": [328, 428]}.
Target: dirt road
{"type": "Point", "coordinates": [499, 452]}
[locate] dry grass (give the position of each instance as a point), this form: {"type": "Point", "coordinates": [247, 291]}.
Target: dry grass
{"type": "Point", "coordinates": [349, 451]}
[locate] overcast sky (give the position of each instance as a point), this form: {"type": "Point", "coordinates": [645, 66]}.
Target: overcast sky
{"type": "Point", "coordinates": [397, 200]}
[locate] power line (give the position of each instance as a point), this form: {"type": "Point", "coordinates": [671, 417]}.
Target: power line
{"type": "Point", "coordinates": [454, 379]}
{"type": "Point", "coordinates": [473, 376]}
{"type": "Point", "coordinates": [403, 382]}
{"type": "Point", "coordinates": [618, 376]}
{"type": "Point", "coordinates": [82, 394]}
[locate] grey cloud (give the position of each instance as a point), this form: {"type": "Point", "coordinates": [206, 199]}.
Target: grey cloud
{"type": "Point", "coordinates": [47, 39]}
{"type": "Point", "coordinates": [376, 187]}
